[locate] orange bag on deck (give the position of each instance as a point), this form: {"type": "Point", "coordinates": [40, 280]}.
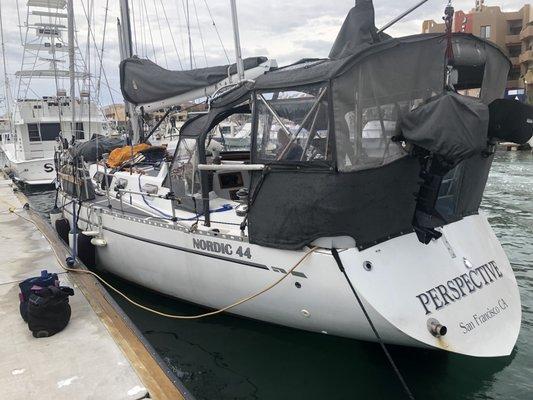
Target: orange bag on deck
{"type": "Point", "coordinates": [118, 156]}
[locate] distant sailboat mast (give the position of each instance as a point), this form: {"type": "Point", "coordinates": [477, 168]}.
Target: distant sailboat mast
{"type": "Point", "coordinates": [6, 78]}
{"type": "Point", "coordinates": [71, 63]}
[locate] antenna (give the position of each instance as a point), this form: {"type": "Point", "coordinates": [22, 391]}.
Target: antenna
{"type": "Point", "coordinates": [236, 37]}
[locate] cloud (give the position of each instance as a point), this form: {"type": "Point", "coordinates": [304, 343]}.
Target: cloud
{"type": "Point", "coordinates": [280, 29]}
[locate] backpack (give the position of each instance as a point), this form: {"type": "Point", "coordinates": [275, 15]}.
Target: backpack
{"type": "Point", "coordinates": [49, 310]}
{"type": "Point", "coordinates": [36, 283]}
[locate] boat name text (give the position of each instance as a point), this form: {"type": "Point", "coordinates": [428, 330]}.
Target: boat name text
{"type": "Point", "coordinates": [220, 248]}
{"type": "Point", "coordinates": [481, 318]}
{"type": "Point", "coordinates": [455, 289]}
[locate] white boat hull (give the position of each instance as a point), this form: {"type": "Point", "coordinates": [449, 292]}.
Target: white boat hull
{"type": "Point", "coordinates": [215, 271]}
{"type": "Point", "coordinates": [39, 171]}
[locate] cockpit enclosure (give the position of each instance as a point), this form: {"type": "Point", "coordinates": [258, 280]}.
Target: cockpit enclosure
{"type": "Point", "coordinates": [324, 130]}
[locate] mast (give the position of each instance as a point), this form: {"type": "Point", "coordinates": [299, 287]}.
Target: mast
{"type": "Point", "coordinates": [71, 63]}
{"type": "Point", "coordinates": [124, 33]}
{"type": "Point", "coordinates": [6, 82]}
{"type": "Point", "coordinates": [237, 39]}
{"type": "Point", "coordinates": [189, 32]}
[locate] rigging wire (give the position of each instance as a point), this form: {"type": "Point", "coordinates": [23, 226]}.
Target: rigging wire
{"type": "Point", "coordinates": [171, 34]}
{"type": "Point", "coordinates": [143, 30]}
{"type": "Point", "coordinates": [188, 21]}
{"type": "Point", "coordinates": [150, 30]}
{"type": "Point", "coordinates": [6, 81]}
{"type": "Point", "coordinates": [102, 51]}
{"type": "Point", "coordinates": [100, 57]}
{"type": "Point", "coordinates": [182, 35]}
{"type": "Point", "coordinates": [217, 32]}
{"type": "Point", "coordinates": [200, 32]}
{"type": "Point", "coordinates": [134, 27]}
{"type": "Point", "coordinates": [20, 23]}
{"type": "Point", "coordinates": [161, 35]}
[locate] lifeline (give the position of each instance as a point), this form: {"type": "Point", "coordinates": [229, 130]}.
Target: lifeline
{"type": "Point", "coordinates": [455, 289]}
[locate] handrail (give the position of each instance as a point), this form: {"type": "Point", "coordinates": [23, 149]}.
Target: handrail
{"type": "Point", "coordinates": [231, 167]}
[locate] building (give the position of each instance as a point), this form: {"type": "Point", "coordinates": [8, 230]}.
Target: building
{"type": "Point", "coordinates": [115, 113]}
{"type": "Point", "coordinates": [511, 31]}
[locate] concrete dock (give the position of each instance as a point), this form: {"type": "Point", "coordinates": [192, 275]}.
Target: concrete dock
{"type": "Point", "coordinates": [97, 356]}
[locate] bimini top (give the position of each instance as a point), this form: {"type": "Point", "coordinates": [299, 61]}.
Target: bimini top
{"type": "Point", "coordinates": [143, 81]}
{"type": "Point", "coordinates": [469, 51]}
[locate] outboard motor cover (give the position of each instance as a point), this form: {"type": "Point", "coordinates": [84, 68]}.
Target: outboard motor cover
{"type": "Point", "coordinates": [451, 126]}
{"type": "Point", "coordinates": [49, 310]}
{"type": "Point", "coordinates": [510, 121]}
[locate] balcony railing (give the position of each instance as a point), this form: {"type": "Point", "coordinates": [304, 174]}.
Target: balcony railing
{"type": "Point", "coordinates": [526, 57]}
{"type": "Point", "coordinates": [526, 33]}
{"type": "Point", "coordinates": [512, 39]}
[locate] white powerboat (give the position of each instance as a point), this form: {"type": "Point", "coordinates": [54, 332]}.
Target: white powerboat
{"type": "Point", "coordinates": [38, 123]}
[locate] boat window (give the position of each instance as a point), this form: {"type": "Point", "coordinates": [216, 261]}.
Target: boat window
{"type": "Point", "coordinates": [232, 134]}
{"type": "Point", "coordinates": [184, 171]}
{"type": "Point", "coordinates": [370, 98]}
{"type": "Point", "coordinates": [50, 131]}
{"type": "Point", "coordinates": [33, 133]}
{"type": "Point", "coordinates": [449, 193]}
{"type": "Point", "coordinates": [80, 134]}
{"type": "Point", "coordinates": [293, 125]}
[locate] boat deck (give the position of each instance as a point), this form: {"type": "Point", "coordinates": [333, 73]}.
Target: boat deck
{"type": "Point", "coordinates": [85, 360]}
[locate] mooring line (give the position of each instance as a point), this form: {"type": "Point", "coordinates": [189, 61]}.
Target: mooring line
{"type": "Point", "coordinates": [12, 209]}
{"type": "Point", "coordinates": [408, 392]}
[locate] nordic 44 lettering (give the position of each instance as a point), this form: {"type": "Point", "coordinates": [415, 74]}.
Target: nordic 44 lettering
{"type": "Point", "coordinates": [220, 248]}
{"type": "Point", "coordinates": [455, 289]}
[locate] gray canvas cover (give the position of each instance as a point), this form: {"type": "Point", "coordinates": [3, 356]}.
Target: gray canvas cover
{"type": "Point", "coordinates": [358, 29]}
{"type": "Point", "coordinates": [142, 81]}
{"type": "Point", "coordinates": [452, 126]}
{"type": "Point", "coordinates": [92, 150]}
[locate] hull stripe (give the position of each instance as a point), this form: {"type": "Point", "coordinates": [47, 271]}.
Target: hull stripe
{"type": "Point", "coordinates": [184, 249]}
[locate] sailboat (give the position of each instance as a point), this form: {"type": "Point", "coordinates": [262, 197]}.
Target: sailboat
{"type": "Point", "coordinates": [38, 123]}
{"type": "Point", "coordinates": [356, 203]}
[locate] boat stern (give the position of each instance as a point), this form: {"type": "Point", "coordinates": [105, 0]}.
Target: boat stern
{"type": "Point", "coordinates": [458, 293]}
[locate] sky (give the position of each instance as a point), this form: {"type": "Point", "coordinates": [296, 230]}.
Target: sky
{"type": "Point", "coordinates": [280, 29]}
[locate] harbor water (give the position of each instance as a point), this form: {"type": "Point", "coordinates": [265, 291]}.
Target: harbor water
{"type": "Point", "coordinates": [226, 357]}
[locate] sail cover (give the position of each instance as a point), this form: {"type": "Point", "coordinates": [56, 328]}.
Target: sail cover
{"type": "Point", "coordinates": [358, 29]}
{"type": "Point", "coordinates": [142, 81]}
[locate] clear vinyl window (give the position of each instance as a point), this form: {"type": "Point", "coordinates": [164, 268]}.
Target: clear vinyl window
{"type": "Point", "coordinates": [293, 125]}
{"type": "Point", "coordinates": [184, 173]}
{"type": "Point", "coordinates": [371, 98]}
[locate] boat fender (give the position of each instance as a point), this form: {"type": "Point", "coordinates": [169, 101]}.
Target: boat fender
{"type": "Point", "coordinates": [38, 282]}
{"type": "Point", "coordinates": [55, 215]}
{"type": "Point", "coordinates": [86, 251]}
{"type": "Point", "coordinates": [49, 310]}
{"type": "Point", "coordinates": [62, 228]}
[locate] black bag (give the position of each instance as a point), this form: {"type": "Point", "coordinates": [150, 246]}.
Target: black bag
{"type": "Point", "coordinates": [49, 310]}
{"type": "Point", "coordinates": [36, 283]}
